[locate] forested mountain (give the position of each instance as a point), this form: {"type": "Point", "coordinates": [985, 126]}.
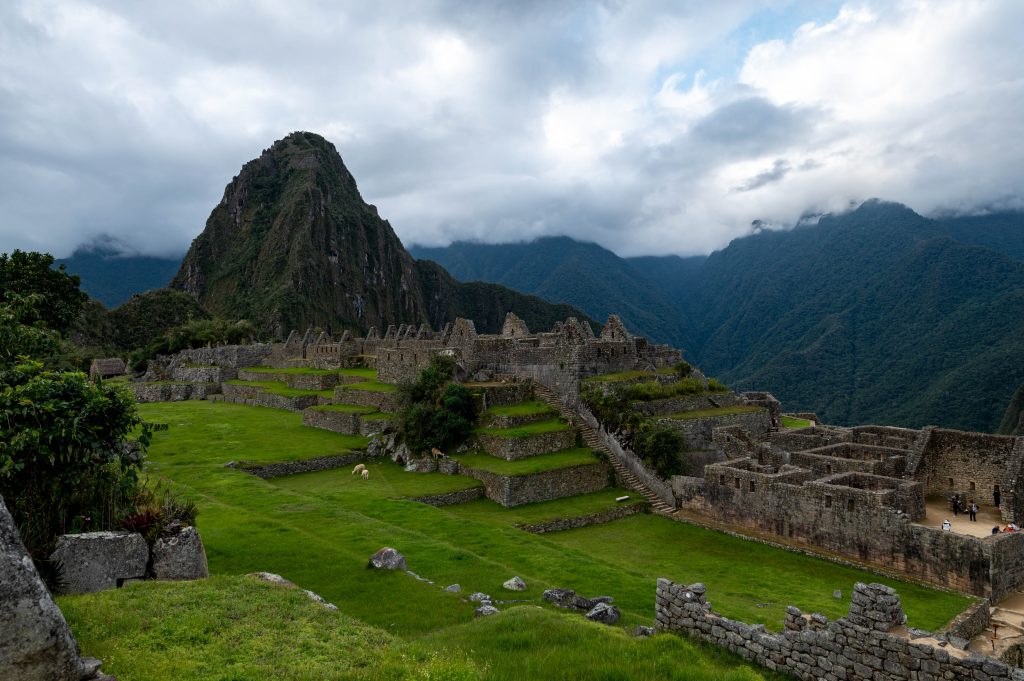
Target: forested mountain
{"type": "Point", "coordinates": [876, 315]}
{"type": "Point", "coordinates": [292, 244]}
{"type": "Point", "coordinates": [562, 270]}
{"type": "Point", "coordinates": [112, 277]}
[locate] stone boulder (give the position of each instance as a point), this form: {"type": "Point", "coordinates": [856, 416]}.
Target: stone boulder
{"type": "Point", "coordinates": [485, 610]}
{"type": "Point", "coordinates": [387, 558]}
{"type": "Point", "coordinates": [35, 641]}
{"type": "Point", "coordinates": [515, 584]}
{"type": "Point", "coordinates": [479, 597]}
{"type": "Point", "coordinates": [603, 613]}
{"type": "Point", "coordinates": [94, 561]}
{"type": "Point", "coordinates": [180, 556]}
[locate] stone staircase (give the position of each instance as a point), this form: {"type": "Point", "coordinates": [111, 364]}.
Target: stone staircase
{"type": "Point", "coordinates": [592, 441]}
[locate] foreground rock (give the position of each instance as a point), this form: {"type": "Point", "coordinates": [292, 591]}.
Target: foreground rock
{"type": "Point", "coordinates": [603, 613]}
{"type": "Point", "coordinates": [94, 561]}
{"type": "Point", "coordinates": [35, 641]}
{"type": "Point", "coordinates": [180, 556]}
{"type": "Point", "coordinates": [515, 584]}
{"type": "Point", "coordinates": [387, 558]}
{"type": "Point", "coordinates": [486, 610]}
{"type": "Point", "coordinates": [567, 598]}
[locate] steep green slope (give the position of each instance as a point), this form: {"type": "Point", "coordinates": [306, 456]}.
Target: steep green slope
{"type": "Point", "coordinates": [292, 244]}
{"type": "Point", "coordinates": [560, 269]}
{"type": "Point", "coordinates": [1003, 232]}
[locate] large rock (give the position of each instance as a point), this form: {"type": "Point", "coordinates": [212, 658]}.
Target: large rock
{"type": "Point", "coordinates": [94, 561]}
{"type": "Point", "coordinates": [603, 613]}
{"type": "Point", "coordinates": [35, 641]}
{"type": "Point", "coordinates": [180, 556]}
{"type": "Point", "coordinates": [387, 558]}
{"type": "Point", "coordinates": [515, 584]}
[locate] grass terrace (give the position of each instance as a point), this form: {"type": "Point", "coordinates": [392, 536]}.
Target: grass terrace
{"type": "Point", "coordinates": [345, 408]}
{"type": "Point", "coordinates": [528, 514]}
{"type": "Point", "coordinates": [279, 388]}
{"type": "Point", "coordinates": [712, 413]}
{"type": "Point", "coordinates": [531, 465]}
{"type": "Point", "coordinates": [294, 371]}
{"type": "Point", "coordinates": [620, 376]}
{"type": "Point", "coordinates": [531, 408]}
{"type": "Point", "coordinates": [793, 422]}
{"type": "Point", "coordinates": [318, 529]}
{"type": "Point", "coordinates": [527, 430]}
{"type": "Point", "coordinates": [371, 386]}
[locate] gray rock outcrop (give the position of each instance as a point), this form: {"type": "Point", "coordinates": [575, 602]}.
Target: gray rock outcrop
{"type": "Point", "coordinates": [387, 558]}
{"type": "Point", "coordinates": [486, 610]}
{"type": "Point", "coordinates": [603, 613]}
{"type": "Point", "coordinates": [35, 641]}
{"type": "Point", "coordinates": [515, 584]}
{"type": "Point", "coordinates": [94, 561]}
{"type": "Point", "coordinates": [180, 556]}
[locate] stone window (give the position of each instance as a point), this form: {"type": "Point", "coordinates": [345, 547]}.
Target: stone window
{"type": "Point", "coordinates": [849, 504]}
{"type": "Point", "coordinates": [828, 501]}
{"type": "Point", "coordinates": [737, 481]}
{"type": "Point", "coordinates": [972, 485]}
{"type": "Point", "coordinates": [828, 469]}
{"type": "Point", "coordinates": [951, 483]}
{"type": "Point", "coordinates": [751, 485]}
{"type": "Point", "coordinates": [721, 479]}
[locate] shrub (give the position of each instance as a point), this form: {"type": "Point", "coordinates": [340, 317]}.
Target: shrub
{"type": "Point", "coordinates": [659, 446]}
{"type": "Point", "coordinates": [436, 412]}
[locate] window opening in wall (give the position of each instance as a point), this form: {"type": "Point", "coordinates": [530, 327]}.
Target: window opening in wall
{"type": "Point", "coordinates": [828, 501]}
{"type": "Point", "coordinates": [849, 504]}
{"type": "Point", "coordinates": [721, 479]}
{"type": "Point", "coordinates": [737, 483]}
{"type": "Point", "coordinates": [751, 485]}
{"type": "Point", "coordinates": [972, 486]}
{"type": "Point", "coordinates": [828, 469]}
{"type": "Point", "coordinates": [951, 483]}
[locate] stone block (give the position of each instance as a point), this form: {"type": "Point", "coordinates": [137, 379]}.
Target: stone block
{"type": "Point", "coordinates": [181, 556]}
{"type": "Point", "coordinates": [94, 561]}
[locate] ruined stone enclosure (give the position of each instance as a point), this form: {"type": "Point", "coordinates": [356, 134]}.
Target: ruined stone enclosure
{"type": "Point", "coordinates": [861, 492]}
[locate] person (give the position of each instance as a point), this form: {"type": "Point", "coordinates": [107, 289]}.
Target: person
{"type": "Point", "coordinates": [947, 526]}
{"type": "Point", "coordinates": [995, 530]}
{"type": "Point", "coordinates": [972, 509]}
{"type": "Point", "coordinates": [1011, 527]}
{"type": "Point", "coordinates": [995, 496]}
{"type": "Point", "coordinates": [954, 502]}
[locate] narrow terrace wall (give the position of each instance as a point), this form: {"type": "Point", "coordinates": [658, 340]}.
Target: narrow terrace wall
{"type": "Point", "coordinates": [866, 644]}
{"type": "Point", "coordinates": [527, 489]}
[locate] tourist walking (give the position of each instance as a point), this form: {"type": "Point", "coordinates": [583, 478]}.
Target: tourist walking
{"type": "Point", "coordinates": [954, 502]}
{"type": "Point", "coordinates": [972, 509]}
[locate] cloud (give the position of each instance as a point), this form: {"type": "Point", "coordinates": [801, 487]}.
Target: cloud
{"type": "Point", "coordinates": [648, 126]}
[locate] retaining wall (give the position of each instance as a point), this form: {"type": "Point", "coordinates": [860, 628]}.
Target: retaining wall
{"type": "Point", "coordinates": [319, 463]}
{"type": "Point", "coordinates": [452, 498]}
{"type": "Point", "coordinates": [527, 489]}
{"type": "Point", "coordinates": [367, 398]}
{"type": "Point", "coordinates": [514, 448]}
{"type": "Point", "coordinates": [608, 516]}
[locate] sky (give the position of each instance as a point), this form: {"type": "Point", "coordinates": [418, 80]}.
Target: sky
{"type": "Point", "coordinates": [651, 127]}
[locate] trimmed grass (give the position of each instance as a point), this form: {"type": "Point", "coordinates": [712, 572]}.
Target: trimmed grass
{"type": "Point", "coordinates": [371, 386]}
{"type": "Point", "coordinates": [531, 408]}
{"type": "Point", "coordinates": [711, 413]}
{"type": "Point", "coordinates": [318, 530]}
{"type": "Point", "coordinates": [279, 388]}
{"type": "Point", "coordinates": [529, 465]}
{"type": "Point", "coordinates": [345, 408]}
{"type": "Point", "coordinates": [528, 430]}
{"type": "Point", "coordinates": [569, 507]}
{"type": "Point", "coordinates": [337, 483]}
{"type": "Point", "coordinates": [240, 628]}
{"type": "Point", "coordinates": [293, 371]}
{"type": "Point", "coordinates": [793, 422]}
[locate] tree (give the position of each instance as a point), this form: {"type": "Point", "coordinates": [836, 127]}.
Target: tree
{"type": "Point", "coordinates": [436, 412]}
{"type": "Point", "coordinates": [19, 339]}
{"type": "Point", "coordinates": [24, 273]}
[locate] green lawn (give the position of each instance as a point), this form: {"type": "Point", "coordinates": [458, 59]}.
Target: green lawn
{"type": "Point", "coordinates": [711, 413]}
{"type": "Point", "coordinates": [531, 408]}
{"type": "Point", "coordinates": [279, 388]}
{"type": "Point", "coordinates": [619, 376]}
{"type": "Point", "coordinates": [293, 371]}
{"type": "Point", "coordinates": [529, 465]}
{"type": "Point", "coordinates": [793, 422]}
{"type": "Point", "coordinates": [528, 514]}
{"type": "Point", "coordinates": [318, 530]}
{"type": "Point", "coordinates": [528, 429]}
{"type": "Point", "coordinates": [371, 386]}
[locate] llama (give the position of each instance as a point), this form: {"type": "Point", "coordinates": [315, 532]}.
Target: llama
{"type": "Point", "coordinates": [366, 474]}
{"type": "Point", "coordinates": [359, 468]}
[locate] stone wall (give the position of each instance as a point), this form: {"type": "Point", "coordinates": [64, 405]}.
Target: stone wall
{"type": "Point", "coordinates": [172, 392]}
{"type": "Point", "coordinates": [501, 394]}
{"type": "Point", "coordinates": [674, 405]}
{"type": "Point", "coordinates": [190, 374]}
{"type": "Point", "coordinates": [347, 423]}
{"type": "Point", "coordinates": [867, 644]}
{"type": "Point", "coordinates": [968, 463]}
{"type": "Point", "coordinates": [971, 622]}
{"type": "Point", "coordinates": [577, 522]}
{"type": "Point", "coordinates": [698, 433]}
{"type": "Point", "coordinates": [319, 463]}
{"type": "Point", "coordinates": [527, 489]}
{"type": "Point", "coordinates": [390, 402]}
{"type": "Point", "coordinates": [515, 448]}
{"type": "Point", "coordinates": [452, 498]}
{"type": "Point", "coordinates": [258, 397]}
{"type": "Point", "coordinates": [232, 356]}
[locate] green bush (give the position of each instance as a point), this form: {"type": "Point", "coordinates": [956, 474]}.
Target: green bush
{"type": "Point", "coordinates": [659, 447]}
{"type": "Point", "coordinates": [65, 461]}
{"type": "Point", "coordinates": [435, 411]}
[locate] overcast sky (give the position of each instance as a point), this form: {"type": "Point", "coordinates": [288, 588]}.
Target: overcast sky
{"type": "Point", "coordinates": [648, 127]}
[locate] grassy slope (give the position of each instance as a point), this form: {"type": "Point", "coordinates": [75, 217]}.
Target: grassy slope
{"type": "Point", "coordinates": [319, 529]}
{"type": "Point", "coordinates": [716, 411]}
{"type": "Point", "coordinates": [529, 465]}
{"type": "Point", "coordinates": [530, 408]}
{"type": "Point", "coordinates": [528, 429]}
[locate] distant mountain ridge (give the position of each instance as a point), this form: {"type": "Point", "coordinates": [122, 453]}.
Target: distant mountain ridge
{"type": "Point", "coordinates": [112, 277]}
{"type": "Point", "coordinates": [876, 315]}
